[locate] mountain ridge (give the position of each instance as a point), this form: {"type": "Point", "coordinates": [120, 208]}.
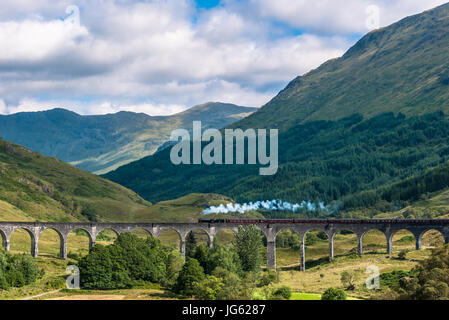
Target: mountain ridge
{"type": "Point", "coordinates": [100, 143]}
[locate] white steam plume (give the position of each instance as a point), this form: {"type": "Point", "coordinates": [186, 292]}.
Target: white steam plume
{"type": "Point", "coordinates": [273, 205]}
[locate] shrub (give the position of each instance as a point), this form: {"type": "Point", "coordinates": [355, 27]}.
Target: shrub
{"type": "Point", "coordinates": [403, 254]}
{"type": "Point", "coordinates": [55, 283]}
{"type": "Point", "coordinates": [15, 279]}
{"type": "Point", "coordinates": [393, 279]}
{"type": "Point", "coordinates": [4, 285]}
{"type": "Point", "coordinates": [333, 294]}
{"type": "Point", "coordinates": [283, 293]}
{"type": "Point", "coordinates": [25, 265]}
{"type": "Point", "coordinates": [233, 288]}
{"type": "Point", "coordinates": [267, 278]}
{"type": "Point", "coordinates": [209, 288]}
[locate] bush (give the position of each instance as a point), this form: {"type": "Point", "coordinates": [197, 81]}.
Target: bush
{"type": "Point", "coordinates": [283, 293]}
{"type": "Point", "coordinates": [209, 288]}
{"type": "Point", "coordinates": [403, 254]}
{"type": "Point", "coordinates": [333, 294]}
{"type": "Point", "coordinates": [17, 270]}
{"type": "Point", "coordinates": [267, 278]}
{"type": "Point", "coordinates": [4, 285]}
{"type": "Point", "coordinates": [234, 288]}
{"type": "Point", "coordinates": [393, 279]}
{"type": "Point", "coordinates": [26, 266]}
{"type": "Point", "coordinates": [55, 283]}
{"type": "Point", "coordinates": [15, 278]}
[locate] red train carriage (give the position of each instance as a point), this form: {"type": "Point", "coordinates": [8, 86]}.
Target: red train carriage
{"type": "Point", "coordinates": [327, 221]}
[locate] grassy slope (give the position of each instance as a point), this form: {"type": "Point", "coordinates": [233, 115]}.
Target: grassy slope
{"type": "Point", "coordinates": [102, 143]}
{"type": "Point", "coordinates": [46, 189]}
{"type": "Point", "coordinates": [38, 188]}
{"type": "Point", "coordinates": [400, 68]}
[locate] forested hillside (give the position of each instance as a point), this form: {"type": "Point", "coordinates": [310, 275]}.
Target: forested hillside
{"type": "Point", "coordinates": [319, 161]}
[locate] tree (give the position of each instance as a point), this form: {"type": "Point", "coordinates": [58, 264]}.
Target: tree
{"type": "Point", "coordinates": [432, 278]}
{"type": "Point", "coordinates": [201, 254]}
{"type": "Point", "coordinates": [190, 273]}
{"type": "Point", "coordinates": [347, 279]}
{"type": "Point", "coordinates": [333, 294]}
{"type": "Point", "coordinates": [174, 264]}
{"type": "Point", "coordinates": [190, 245]}
{"type": "Point", "coordinates": [224, 257]}
{"type": "Point", "coordinates": [129, 259]}
{"type": "Point", "coordinates": [248, 243]}
{"type": "Point", "coordinates": [98, 271]}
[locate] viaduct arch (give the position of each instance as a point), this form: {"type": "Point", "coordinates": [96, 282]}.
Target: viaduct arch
{"type": "Point", "coordinates": [270, 228]}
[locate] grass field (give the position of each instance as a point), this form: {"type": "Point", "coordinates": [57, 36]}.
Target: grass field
{"type": "Point", "coordinates": [320, 274]}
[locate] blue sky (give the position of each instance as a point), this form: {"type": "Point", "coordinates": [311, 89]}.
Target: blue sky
{"type": "Point", "coordinates": [207, 4]}
{"type": "Point", "coordinates": [163, 56]}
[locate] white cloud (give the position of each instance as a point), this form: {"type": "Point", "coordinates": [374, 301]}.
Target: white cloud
{"type": "Point", "coordinates": [37, 40]}
{"type": "Point", "coordinates": [339, 16]}
{"type": "Point", "coordinates": [162, 56]}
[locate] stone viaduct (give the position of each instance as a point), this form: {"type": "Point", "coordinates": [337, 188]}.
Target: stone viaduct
{"type": "Point", "coordinates": [270, 228]}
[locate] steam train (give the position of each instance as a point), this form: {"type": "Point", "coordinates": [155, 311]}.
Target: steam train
{"type": "Point", "coordinates": [327, 221]}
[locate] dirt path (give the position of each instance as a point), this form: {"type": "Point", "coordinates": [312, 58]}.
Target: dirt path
{"type": "Point", "coordinates": [42, 294]}
{"type": "Point", "coordinates": [91, 297]}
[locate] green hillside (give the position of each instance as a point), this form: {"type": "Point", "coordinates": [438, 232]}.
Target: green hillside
{"type": "Point", "coordinates": [104, 142]}
{"type": "Point", "coordinates": [400, 68]}
{"type": "Point", "coordinates": [46, 189]}
{"type": "Point", "coordinates": [38, 188]}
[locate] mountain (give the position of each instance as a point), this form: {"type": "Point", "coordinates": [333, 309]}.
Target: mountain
{"type": "Point", "coordinates": [104, 142]}
{"type": "Point", "coordinates": [318, 161]}
{"type": "Point", "coordinates": [34, 187]}
{"type": "Point", "coordinates": [401, 68]}
{"type": "Point", "coordinates": [365, 121]}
